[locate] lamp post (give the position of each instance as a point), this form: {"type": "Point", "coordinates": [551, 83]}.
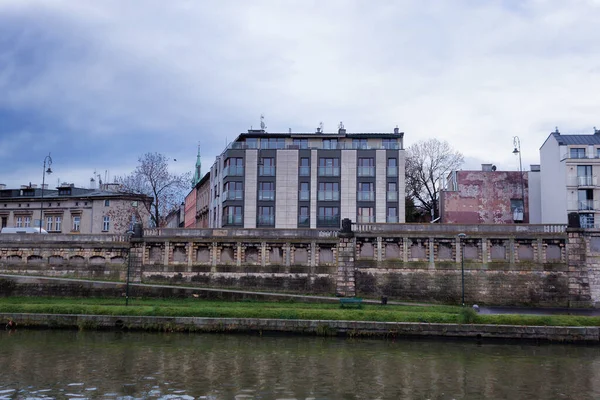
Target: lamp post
{"type": "Point", "coordinates": [517, 150]}
{"type": "Point", "coordinates": [461, 236]}
{"type": "Point", "coordinates": [45, 171]}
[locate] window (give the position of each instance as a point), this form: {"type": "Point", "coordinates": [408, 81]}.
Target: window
{"type": "Point", "coordinates": [19, 222]}
{"type": "Point", "coordinates": [585, 199]}
{"type": "Point", "coordinates": [252, 143]}
{"type": "Point", "coordinates": [49, 224]}
{"type": "Point", "coordinates": [577, 153]}
{"type": "Point", "coordinates": [232, 216]}
{"type": "Point", "coordinates": [266, 216]}
{"type": "Point", "coordinates": [234, 166]}
{"type": "Point", "coordinates": [272, 143]}
{"type": "Point", "coordinates": [329, 191]}
{"type": "Point", "coordinates": [266, 191]}
{"type": "Point", "coordinates": [330, 144]}
{"type": "Point", "coordinates": [366, 167]}
{"type": "Point", "coordinates": [392, 167]}
{"type": "Point", "coordinates": [105, 223]}
{"type": "Point", "coordinates": [58, 223]}
{"type": "Point", "coordinates": [76, 222]}
{"type": "Point", "coordinates": [392, 215]}
{"type": "Point", "coordinates": [233, 191]}
{"type": "Point", "coordinates": [392, 191]}
{"type": "Point", "coordinates": [365, 215]}
{"type": "Point", "coordinates": [329, 167]}
{"type": "Point", "coordinates": [584, 175]}
{"type": "Point", "coordinates": [106, 203]}
{"type": "Point", "coordinates": [304, 194]}
{"type": "Point", "coordinates": [266, 167]}
{"type": "Point", "coordinates": [304, 166]}
{"type": "Point", "coordinates": [64, 191]}
{"type": "Point", "coordinates": [27, 222]}
{"type": "Point", "coordinates": [517, 209]}
{"type": "Point", "coordinates": [365, 191]}
{"type": "Point", "coordinates": [303, 217]}
{"type": "Point", "coordinates": [328, 216]}
{"type": "Point", "coordinates": [301, 143]}
{"type": "Point", "coordinates": [359, 143]}
{"type": "Point", "coordinates": [389, 144]}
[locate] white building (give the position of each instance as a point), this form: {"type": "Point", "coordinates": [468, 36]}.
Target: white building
{"type": "Point", "coordinates": [570, 165]}
{"type": "Point", "coordinates": [308, 180]}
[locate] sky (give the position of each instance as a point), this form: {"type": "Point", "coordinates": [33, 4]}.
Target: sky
{"type": "Point", "coordinates": [96, 84]}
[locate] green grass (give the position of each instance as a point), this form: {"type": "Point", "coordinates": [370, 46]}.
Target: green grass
{"type": "Point", "coordinates": [281, 310]}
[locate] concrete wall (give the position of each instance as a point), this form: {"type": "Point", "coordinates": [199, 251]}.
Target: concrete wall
{"type": "Point", "coordinates": [553, 182]}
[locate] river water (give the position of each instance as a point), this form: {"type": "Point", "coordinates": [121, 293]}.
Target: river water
{"type": "Point", "coordinates": [109, 365]}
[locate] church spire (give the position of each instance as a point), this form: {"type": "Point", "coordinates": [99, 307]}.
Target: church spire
{"type": "Point", "coordinates": [198, 169]}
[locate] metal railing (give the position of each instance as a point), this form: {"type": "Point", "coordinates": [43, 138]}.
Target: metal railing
{"type": "Point", "coordinates": [328, 195]}
{"type": "Point", "coordinates": [233, 170]}
{"type": "Point", "coordinates": [366, 171]}
{"type": "Point", "coordinates": [329, 171]}
{"type": "Point", "coordinates": [365, 196]}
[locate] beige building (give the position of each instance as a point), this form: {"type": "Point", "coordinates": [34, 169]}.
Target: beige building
{"type": "Point", "coordinates": [68, 209]}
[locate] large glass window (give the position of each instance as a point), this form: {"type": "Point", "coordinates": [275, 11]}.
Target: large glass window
{"type": "Point", "coordinates": [365, 191]}
{"type": "Point", "coordinates": [366, 215]}
{"type": "Point", "coordinates": [392, 191]}
{"type": "Point", "coordinates": [303, 216]}
{"type": "Point", "coordinates": [304, 166]}
{"type": "Point", "coordinates": [359, 143]}
{"type": "Point", "coordinates": [392, 215]}
{"type": "Point", "coordinates": [304, 193]}
{"type": "Point", "coordinates": [329, 167]}
{"type": "Point", "coordinates": [330, 144]}
{"type": "Point", "coordinates": [266, 191]}
{"type": "Point", "coordinates": [252, 143]}
{"type": "Point", "coordinates": [233, 191]}
{"type": "Point", "coordinates": [584, 175]}
{"type": "Point", "coordinates": [390, 144]}
{"type": "Point", "coordinates": [234, 166]}
{"type": "Point", "coordinates": [585, 199]}
{"type": "Point", "coordinates": [266, 167]}
{"type": "Point", "coordinates": [266, 216]}
{"type": "Point", "coordinates": [232, 215]}
{"type": "Point", "coordinates": [301, 143]}
{"type": "Point", "coordinates": [329, 191]}
{"type": "Point", "coordinates": [272, 143]}
{"type": "Point", "coordinates": [577, 152]}
{"type": "Point", "coordinates": [392, 167]}
{"type": "Point", "coordinates": [328, 217]}
{"type": "Point", "coordinates": [366, 167]}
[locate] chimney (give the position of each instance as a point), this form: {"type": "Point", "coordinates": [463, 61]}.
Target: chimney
{"type": "Point", "coordinates": [486, 167]}
{"type": "Point", "coordinates": [2, 186]}
{"type": "Point", "coordinates": [341, 128]}
{"type": "Point", "coordinates": [396, 130]}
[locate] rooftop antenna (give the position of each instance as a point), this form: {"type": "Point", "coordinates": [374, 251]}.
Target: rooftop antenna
{"type": "Point", "coordinates": [289, 130]}
{"type": "Point", "coordinates": [321, 128]}
{"type": "Point", "coordinates": [341, 125]}
{"type": "Point", "coordinates": [263, 126]}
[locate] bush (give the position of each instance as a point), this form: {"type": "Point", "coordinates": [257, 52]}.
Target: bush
{"type": "Point", "coordinates": [467, 316]}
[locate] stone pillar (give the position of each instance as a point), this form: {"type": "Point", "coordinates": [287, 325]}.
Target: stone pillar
{"type": "Point", "coordinates": [379, 249]}
{"type": "Point", "coordinates": [263, 254]}
{"type": "Point", "coordinates": [167, 255]}
{"type": "Point", "coordinates": [512, 249]}
{"type": "Point", "coordinates": [190, 254]}
{"type": "Point", "coordinates": [579, 286]}
{"type": "Point", "coordinates": [214, 255]}
{"type": "Point", "coordinates": [345, 280]}
{"type": "Point", "coordinates": [431, 253]}
{"type": "Point", "coordinates": [238, 255]}
{"type": "Point", "coordinates": [405, 250]}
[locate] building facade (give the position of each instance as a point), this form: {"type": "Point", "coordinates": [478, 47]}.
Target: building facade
{"type": "Point", "coordinates": [487, 197]}
{"type": "Point", "coordinates": [68, 209]}
{"type": "Point", "coordinates": [570, 165]}
{"type": "Point", "coordinates": [308, 180]}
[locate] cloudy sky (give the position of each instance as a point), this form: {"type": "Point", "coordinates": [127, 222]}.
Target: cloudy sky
{"type": "Point", "coordinates": [98, 83]}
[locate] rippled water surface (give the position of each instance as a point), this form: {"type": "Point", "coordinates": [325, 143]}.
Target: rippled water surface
{"type": "Point", "coordinates": [109, 365]}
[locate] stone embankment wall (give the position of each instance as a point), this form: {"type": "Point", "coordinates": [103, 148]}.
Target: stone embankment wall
{"type": "Point", "coordinates": [537, 265]}
{"type": "Point", "coordinates": [307, 327]}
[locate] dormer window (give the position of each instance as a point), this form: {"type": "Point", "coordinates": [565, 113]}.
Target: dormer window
{"type": "Point", "coordinates": [28, 192]}
{"type": "Point", "coordinates": [577, 152]}
{"type": "Point", "coordinates": [64, 191]}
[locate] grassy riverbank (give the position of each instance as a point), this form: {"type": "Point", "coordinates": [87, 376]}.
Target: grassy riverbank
{"type": "Point", "coordinates": [279, 310]}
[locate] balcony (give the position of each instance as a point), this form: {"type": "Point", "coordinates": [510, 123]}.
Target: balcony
{"type": "Point", "coordinates": [304, 171]}
{"type": "Point", "coordinates": [365, 219]}
{"type": "Point", "coordinates": [328, 221]}
{"type": "Point", "coordinates": [303, 220]}
{"type": "Point", "coordinates": [268, 195]}
{"type": "Point", "coordinates": [392, 196]}
{"type": "Point", "coordinates": [304, 195]}
{"type": "Point", "coordinates": [392, 219]}
{"type": "Point", "coordinates": [329, 171]}
{"type": "Point", "coordinates": [233, 195]}
{"type": "Point", "coordinates": [328, 195]}
{"type": "Point", "coordinates": [265, 220]}
{"type": "Point", "coordinates": [233, 170]}
{"type": "Point", "coordinates": [392, 171]}
{"type": "Point", "coordinates": [586, 180]}
{"type": "Point", "coordinates": [366, 171]}
{"type": "Point", "coordinates": [236, 220]}
{"type": "Point", "coordinates": [587, 205]}
{"type": "Point", "coordinates": [365, 196]}
{"type": "Point", "coordinates": [265, 170]}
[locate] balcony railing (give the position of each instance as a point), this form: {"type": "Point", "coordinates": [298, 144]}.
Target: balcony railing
{"type": "Point", "coordinates": [266, 195]}
{"type": "Point", "coordinates": [265, 220]}
{"type": "Point", "coordinates": [392, 196]}
{"type": "Point", "coordinates": [304, 195]}
{"type": "Point", "coordinates": [586, 180]}
{"type": "Point", "coordinates": [304, 171]}
{"type": "Point", "coordinates": [328, 195]}
{"type": "Point", "coordinates": [328, 220]}
{"type": "Point", "coordinates": [587, 205]}
{"type": "Point", "coordinates": [233, 170]}
{"type": "Point", "coordinates": [365, 219]}
{"type": "Point", "coordinates": [303, 220]}
{"type": "Point", "coordinates": [365, 196]}
{"type": "Point", "coordinates": [392, 219]}
{"type": "Point", "coordinates": [233, 220]}
{"type": "Point", "coordinates": [233, 195]}
{"type": "Point", "coordinates": [265, 170]}
{"type": "Point", "coordinates": [392, 171]}
{"type": "Point", "coordinates": [329, 171]}
{"type": "Point", "coordinates": [366, 171]}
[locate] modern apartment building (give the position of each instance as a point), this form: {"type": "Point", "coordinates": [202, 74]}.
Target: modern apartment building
{"type": "Point", "coordinates": [570, 165]}
{"type": "Point", "coordinates": [308, 180]}
{"type": "Point", "coordinates": [69, 209]}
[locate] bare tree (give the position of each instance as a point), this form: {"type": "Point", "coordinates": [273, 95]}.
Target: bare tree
{"type": "Point", "coordinates": [427, 163]}
{"type": "Point", "coordinates": [152, 178]}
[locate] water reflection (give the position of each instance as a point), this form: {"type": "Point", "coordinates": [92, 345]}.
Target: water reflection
{"type": "Point", "coordinates": [64, 364]}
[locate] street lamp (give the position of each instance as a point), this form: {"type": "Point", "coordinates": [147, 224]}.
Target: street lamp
{"type": "Point", "coordinates": [461, 236]}
{"type": "Point", "coordinates": [45, 171]}
{"type": "Point", "coordinates": [517, 150]}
